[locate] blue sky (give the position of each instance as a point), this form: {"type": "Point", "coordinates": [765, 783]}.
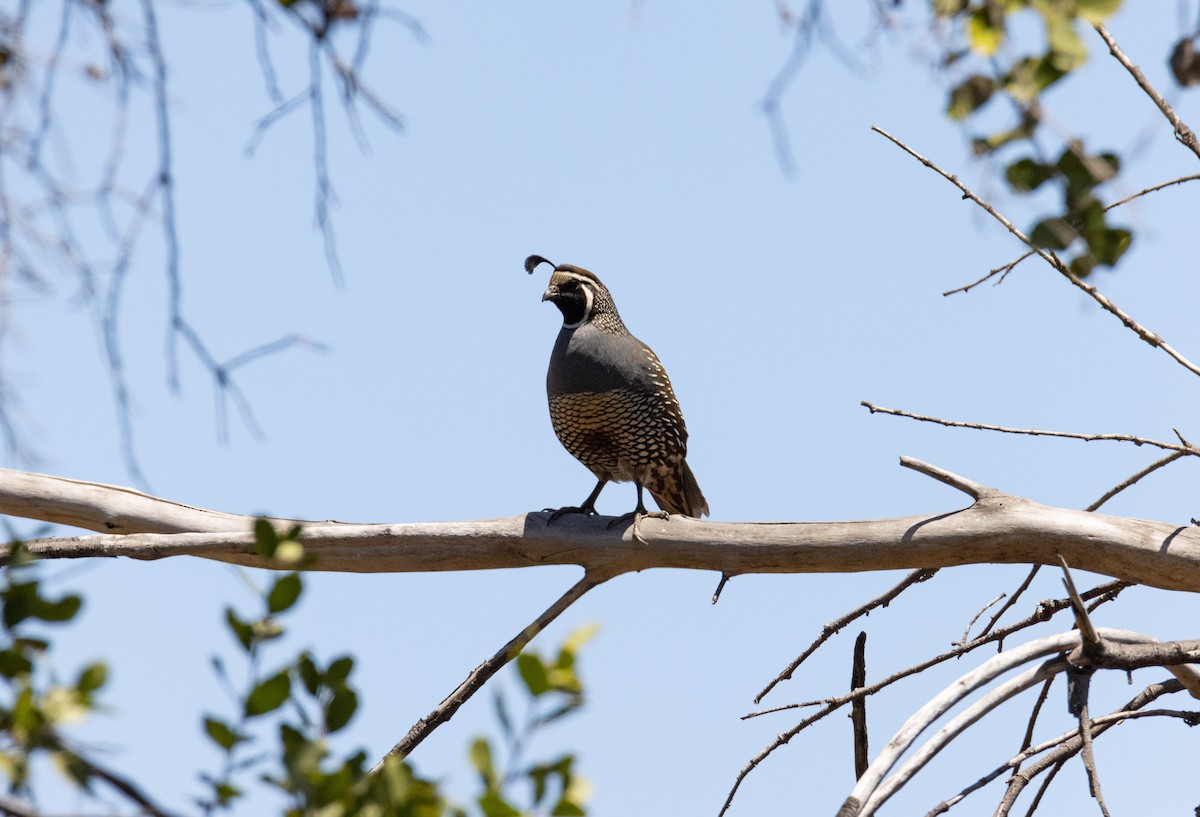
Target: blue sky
{"type": "Point", "coordinates": [627, 139]}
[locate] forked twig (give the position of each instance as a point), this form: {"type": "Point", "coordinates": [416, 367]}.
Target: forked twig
{"type": "Point", "coordinates": [1050, 258]}
{"type": "Point", "coordinates": [838, 624]}
{"type": "Point", "coordinates": [1011, 265]}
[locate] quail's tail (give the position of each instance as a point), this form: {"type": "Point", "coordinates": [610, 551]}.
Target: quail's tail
{"type": "Point", "coordinates": [680, 495]}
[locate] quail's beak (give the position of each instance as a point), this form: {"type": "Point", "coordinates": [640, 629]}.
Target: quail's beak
{"type": "Point", "coordinates": [551, 293]}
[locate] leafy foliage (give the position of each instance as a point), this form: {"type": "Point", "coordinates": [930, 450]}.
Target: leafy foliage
{"type": "Point", "coordinates": [34, 706]}
{"type": "Point", "coordinates": [304, 701]}
{"type": "Point", "coordinates": [995, 64]}
{"type": "Point", "coordinates": [279, 729]}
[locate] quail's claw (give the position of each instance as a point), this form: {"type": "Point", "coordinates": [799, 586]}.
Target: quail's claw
{"type": "Point", "coordinates": [586, 510]}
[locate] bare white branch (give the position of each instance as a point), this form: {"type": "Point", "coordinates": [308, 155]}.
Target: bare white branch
{"type": "Point", "coordinates": [997, 528]}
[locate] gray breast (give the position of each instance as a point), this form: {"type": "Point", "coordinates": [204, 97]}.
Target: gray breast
{"type": "Point", "coordinates": [588, 359]}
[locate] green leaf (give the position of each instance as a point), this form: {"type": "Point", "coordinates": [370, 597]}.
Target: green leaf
{"type": "Point", "coordinates": [1108, 245]}
{"type": "Point", "coordinates": [341, 709]}
{"type": "Point", "coordinates": [268, 695]}
{"type": "Point", "coordinates": [310, 676]}
{"type": "Point", "coordinates": [1053, 234]}
{"type": "Point", "coordinates": [62, 610]}
{"type": "Point", "coordinates": [1083, 170]}
{"type": "Point", "coordinates": [533, 673]}
{"type": "Point", "coordinates": [1067, 51]}
{"type": "Point", "coordinates": [969, 95]}
{"type": "Point", "coordinates": [1025, 175]}
{"type": "Point", "coordinates": [1096, 11]}
{"type": "Point", "coordinates": [1083, 264]}
{"type": "Point", "coordinates": [284, 592]}
{"type": "Point", "coordinates": [480, 755]}
{"type": "Point", "coordinates": [493, 805]}
{"type": "Point", "coordinates": [14, 663]}
{"type": "Point", "coordinates": [92, 677]}
{"type": "Point", "coordinates": [240, 629]}
{"type": "Point", "coordinates": [339, 669]}
{"type": "Point", "coordinates": [1023, 130]}
{"type": "Point", "coordinates": [1029, 77]}
{"type": "Point", "coordinates": [985, 29]}
{"type": "Point", "coordinates": [566, 808]}
{"type": "Point", "coordinates": [265, 539]}
{"type": "Point", "coordinates": [20, 601]}
{"type": "Point", "coordinates": [222, 733]}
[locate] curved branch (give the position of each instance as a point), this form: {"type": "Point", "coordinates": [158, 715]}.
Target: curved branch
{"type": "Point", "coordinates": [871, 790]}
{"type": "Point", "coordinates": [998, 528]}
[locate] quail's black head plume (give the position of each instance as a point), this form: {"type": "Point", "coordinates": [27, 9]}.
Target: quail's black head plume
{"type": "Point", "coordinates": [611, 401]}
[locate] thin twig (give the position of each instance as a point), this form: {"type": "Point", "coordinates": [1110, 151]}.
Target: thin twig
{"type": "Point", "coordinates": [1149, 469]}
{"type": "Point", "coordinates": [1041, 792]}
{"type": "Point", "coordinates": [479, 676]}
{"type": "Point", "coordinates": [1033, 432]}
{"type": "Point", "coordinates": [1004, 268]}
{"type": "Point", "coordinates": [1050, 258]}
{"type": "Point", "coordinates": [838, 624]}
{"type": "Point", "coordinates": [1182, 132]}
{"type": "Point", "coordinates": [1011, 601]}
{"type": "Point", "coordinates": [1153, 189]}
{"type": "Point", "coordinates": [967, 632]}
{"type": "Point", "coordinates": [1011, 265]}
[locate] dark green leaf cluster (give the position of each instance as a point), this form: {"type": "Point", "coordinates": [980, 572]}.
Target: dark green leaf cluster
{"type": "Point", "coordinates": [1081, 225]}
{"type": "Point", "coordinates": [33, 705]}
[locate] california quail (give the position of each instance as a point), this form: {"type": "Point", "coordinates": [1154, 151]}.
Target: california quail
{"type": "Point", "coordinates": [611, 401]}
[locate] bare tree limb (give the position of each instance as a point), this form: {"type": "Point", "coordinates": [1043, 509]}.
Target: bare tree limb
{"type": "Point", "coordinates": [997, 528]}
{"type": "Point", "coordinates": [1182, 132]}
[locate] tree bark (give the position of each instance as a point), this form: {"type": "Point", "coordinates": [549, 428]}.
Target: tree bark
{"type": "Point", "coordinates": [996, 528]}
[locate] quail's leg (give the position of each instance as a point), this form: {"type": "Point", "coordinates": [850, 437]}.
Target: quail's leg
{"type": "Point", "coordinates": [639, 512]}
{"type": "Point", "coordinates": [588, 507]}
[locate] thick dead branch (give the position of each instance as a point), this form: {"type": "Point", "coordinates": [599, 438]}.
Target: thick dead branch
{"type": "Point", "coordinates": [998, 528]}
